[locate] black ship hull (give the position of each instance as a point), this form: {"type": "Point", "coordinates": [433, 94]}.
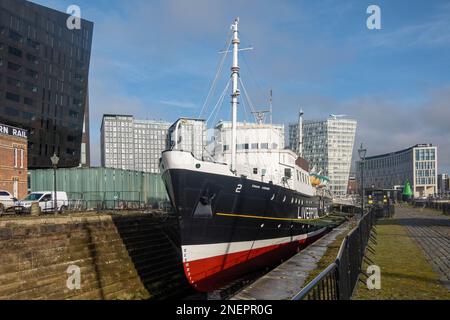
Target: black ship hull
{"type": "Point", "coordinates": [231, 226]}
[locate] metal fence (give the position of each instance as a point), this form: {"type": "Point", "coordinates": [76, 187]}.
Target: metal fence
{"type": "Point", "coordinates": [339, 279]}
{"type": "Point", "coordinates": [440, 205]}
{"type": "Point", "coordinates": [105, 185]}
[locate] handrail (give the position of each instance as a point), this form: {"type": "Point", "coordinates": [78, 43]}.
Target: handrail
{"type": "Point", "coordinates": [340, 277]}
{"type": "Point", "coordinates": [304, 292]}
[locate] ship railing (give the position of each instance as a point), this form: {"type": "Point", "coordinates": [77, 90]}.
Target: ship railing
{"type": "Point", "coordinates": [339, 279]}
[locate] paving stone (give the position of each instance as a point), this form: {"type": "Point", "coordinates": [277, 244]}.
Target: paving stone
{"type": "Point", "coordinates": [431, 230]}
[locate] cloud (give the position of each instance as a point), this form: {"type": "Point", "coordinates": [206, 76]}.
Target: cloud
{"type": "Point", "coordinates": [387, 125]}
{"type": "Point", "coordinates": [318, 55]}
{"type": "Point", "coordinates": [179, 104]}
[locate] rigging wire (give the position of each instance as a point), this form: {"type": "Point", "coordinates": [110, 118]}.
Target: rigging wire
{"type": "Point", "coordinates": [218, 110]}
{"type": "Point", "coordinates": [252, 76]}
{"type": "Point", "coordinates": [247, 97]}
{"type": "Point", "coordinates": [219, 103]}
{"type": "Point", "coordinates": [219, 70]}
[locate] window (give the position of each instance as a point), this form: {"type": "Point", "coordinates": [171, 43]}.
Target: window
{"type": "Point", "coordinates": [12, 97]}
{"type": "Point", "coordinates": [29, 115]}
{"type": "Point", "coordinates": [15, 158]}
{"type": "Point", "coordinates": [287, 173]}
{"type": "Point", "coordinates": [14, 67]}
{"type": "Point", "coordinates": [264, 146]}
{"type": "Point", "coordinates": [254, 146]}
{"type": "Point", "coordinates": [33, 44]}
{"type": "Point", "coordinates": [15, 36]}
{"type": "Point", "coordinates": [28, 101]}
{"type": "Point", "coordinates": [14, 82]}
{"type": "Point", "coordinates": [31, 73]}
{"type": "Point", "coordinates": [73, 114]}
{"type": "Point", "coordinates": [21, 158]}
{"type": "Point", "coordinates": [46, 198]}
{"type": "Point", "coordinates": [16, 52]}
{"type": "Point", "coordinates": [32, 58]}
{"type": "Point", "coordinates": [226, 148]}
{"type": "Point", "coordinates": [12, 112]}
{"type": "Point", "coordinates": [255, 170]}
{"type": "Point", "coordinates": [31, 87]}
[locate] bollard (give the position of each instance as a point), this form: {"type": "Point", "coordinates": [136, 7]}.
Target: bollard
{"type": "Point", "coordinates": [35, 209]}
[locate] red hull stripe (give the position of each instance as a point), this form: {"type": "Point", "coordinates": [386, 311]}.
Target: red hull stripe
{"type": "Point", "coordinates": [203, 251]}
{"type": "Point", "coordinates": [211, 273]}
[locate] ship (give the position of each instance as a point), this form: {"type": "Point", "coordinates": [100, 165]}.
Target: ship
{"type": "Point", "coordinates": [246, 208]}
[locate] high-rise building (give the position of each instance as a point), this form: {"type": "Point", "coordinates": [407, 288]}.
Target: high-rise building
{"type": "Point", "coordinates": [417, 165]}
{"type": "Point", "coordinates": [443, 183]}
{"type": "Point", "coordinates": [131, 144]}
{"type": "Point", "coordinates": [44, 69]}
{"type": "Point", "coordinates": [328, 147]}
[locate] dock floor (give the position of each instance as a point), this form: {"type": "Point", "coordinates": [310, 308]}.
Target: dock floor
{"type": "Point", "coordinates": [431, 230]}
{"type": "Point", "coordinates": [285, 281]}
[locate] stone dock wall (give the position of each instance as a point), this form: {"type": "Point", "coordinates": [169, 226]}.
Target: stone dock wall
{"type": "Point", "coordinates": [119, 256]}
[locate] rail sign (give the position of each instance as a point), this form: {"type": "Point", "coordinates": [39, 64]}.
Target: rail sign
{"type": "Point", "coordinates": [12, 131]}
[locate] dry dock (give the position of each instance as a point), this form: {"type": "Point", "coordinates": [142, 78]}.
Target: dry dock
{"type": "Point", "coordinates": [285, 281]}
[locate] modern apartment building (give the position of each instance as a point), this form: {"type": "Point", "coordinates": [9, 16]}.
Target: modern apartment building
{"type": "Point", "coordinates": [44, 69]}
{"type": "Point", "coordinates": [443, 183]}
{"type": "Point", "coordinates": [417, 164]}
{"type": "Point", "coordinates": [328, 147]}
{"type": "Point", "coordinates": [131, 144]}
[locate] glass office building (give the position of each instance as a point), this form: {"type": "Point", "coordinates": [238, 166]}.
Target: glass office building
{"type": "Point", "coordinates": [44, 68]}
{"type": "Point", "coordinates": [328, 147]}
{"type": "Point", "coordinates": [417, 164]}
{"type": "Point", "coordinates": [131, 144]}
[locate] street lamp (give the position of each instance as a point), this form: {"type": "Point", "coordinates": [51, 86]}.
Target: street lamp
{"type": "Point", "coordinates": [55, 160]}
{"type": "Point", "coordinates": [362, 156]}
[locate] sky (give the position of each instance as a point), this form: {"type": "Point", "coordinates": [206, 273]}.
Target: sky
{"type": "Point", "coordinates": [156, 59]}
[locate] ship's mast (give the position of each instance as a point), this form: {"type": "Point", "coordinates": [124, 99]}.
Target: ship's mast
{"type": "Point", "coordinates": [235, 93]}
{"type": "Point", "coordinates": [300, 134]}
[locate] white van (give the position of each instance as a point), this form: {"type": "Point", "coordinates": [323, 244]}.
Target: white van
{"type": "Point", "coordinates": [7, 201]}
{"type": "Point", "coordinates": [45, 200]}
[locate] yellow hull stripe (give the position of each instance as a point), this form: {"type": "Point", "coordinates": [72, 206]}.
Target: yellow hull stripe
{"type": "Point", "coordinates": [265, 218]}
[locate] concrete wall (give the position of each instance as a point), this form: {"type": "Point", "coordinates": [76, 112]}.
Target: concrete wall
{"type": "Point", "coordinates": [132, 256]}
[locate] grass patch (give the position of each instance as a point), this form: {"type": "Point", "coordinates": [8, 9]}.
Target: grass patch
{"type": "Point", "coordinates": [405, 272]}
{"type": "Point", "coordinates": [330, 255]}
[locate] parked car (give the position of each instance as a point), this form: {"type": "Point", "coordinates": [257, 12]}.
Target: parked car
{"type": "Point", "coordinates": [7, 201]}
{"type": "Point", "coordinates": [45, 200]}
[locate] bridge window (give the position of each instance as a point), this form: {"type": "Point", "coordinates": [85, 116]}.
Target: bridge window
{"type": "Point", "coordinates": [287, 173]}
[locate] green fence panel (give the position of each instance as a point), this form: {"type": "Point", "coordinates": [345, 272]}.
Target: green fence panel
{"type": "Point", "coordinates": [102, 184]}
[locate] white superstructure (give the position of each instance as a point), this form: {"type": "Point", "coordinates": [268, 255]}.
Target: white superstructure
{"type": "Point", "coordinates": [260, 155]}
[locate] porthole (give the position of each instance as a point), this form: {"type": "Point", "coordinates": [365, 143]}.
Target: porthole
{"type": "Point", "coordinates": [198, 166]}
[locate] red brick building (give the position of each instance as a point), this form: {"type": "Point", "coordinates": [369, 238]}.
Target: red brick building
{"type": "Point", "coordinates": [13, 160]}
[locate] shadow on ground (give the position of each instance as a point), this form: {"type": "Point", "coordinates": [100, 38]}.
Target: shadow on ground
{"type": "Point", "coordinates": [154, 247]}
